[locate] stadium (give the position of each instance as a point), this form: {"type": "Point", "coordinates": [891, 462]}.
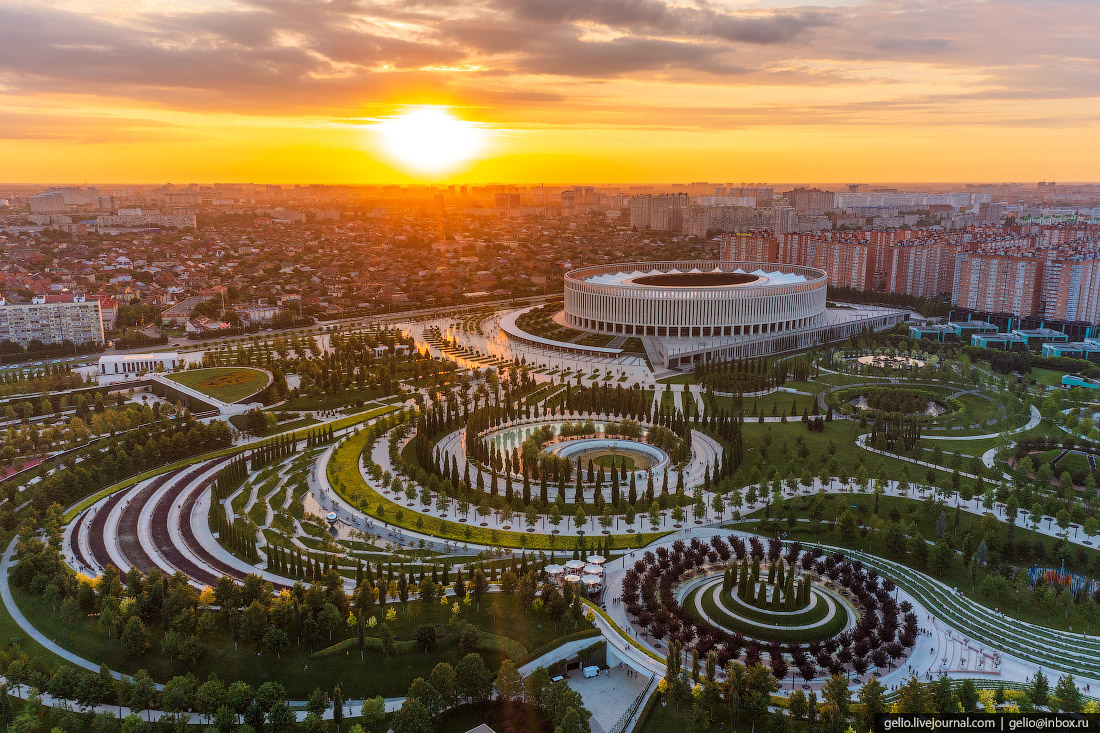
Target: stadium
{"type": "Point", "coordinates": [681, 312]}
{"type": "Point", "coordinates": [694, 299]}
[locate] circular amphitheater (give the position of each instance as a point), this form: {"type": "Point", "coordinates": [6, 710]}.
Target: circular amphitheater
{"type": "Point", "coordinates": [767, 611]}
{"type": "Point", "coordinates": [694, 298]}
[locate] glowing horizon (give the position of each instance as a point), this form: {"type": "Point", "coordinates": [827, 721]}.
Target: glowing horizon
{"type": "Point", "coordinates": [594, 91]}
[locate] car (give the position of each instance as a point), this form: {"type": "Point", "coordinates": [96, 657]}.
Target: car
{"type": "Point", "coordinates": [558, 678]}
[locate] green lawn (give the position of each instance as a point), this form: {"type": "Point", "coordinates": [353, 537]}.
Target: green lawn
{"type": "Point", "coordinates": [333, 401]}
{"type": "Point", "coordinates": [766, 632]}
{"type": "Point", "coordinates": [1050, 377]}
{"type": "Point", "coordinates": [665, 715]}
{"type": "Point", "coordinates": [344, 474]}
{"type": "Point", "coordinates": [775, 445]}
{"type": "Point", "coordinates": [500, 615]}
{"type": "Point", "coordinates": [981, 409]}
{"type": "Point", "coordinates": [780, 402]}
{"type": "Point", "coordinates": [497, 715]}
{"type": "Point", "coordinates": [228, 384]}
{"type": "Point", "coordinates": [925, 515]}
{"type": "Point", "coordinates": [678, 379]}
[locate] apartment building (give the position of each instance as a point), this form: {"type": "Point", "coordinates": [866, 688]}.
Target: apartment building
{"type": "Point", "coordinates": [51, 320]}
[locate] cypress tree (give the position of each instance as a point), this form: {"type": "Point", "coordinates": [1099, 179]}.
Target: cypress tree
{"type": "Point", "coordinates": [762, 595]}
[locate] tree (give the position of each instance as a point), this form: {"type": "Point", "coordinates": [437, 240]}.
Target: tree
{"type": "Point", "coordinates": [426, 638]}
{"type": "Point", "coordinates": [835, 693]}
{"type": "Point", "coordinates": [337, 707]}
{"type": "Point", "coordinates": [329, 619]}
{"type": "Point", "coordinates": [143, 691]}
{"type": "Point", "coordinates": [318, 702]}
{"type": "Point", "coordinates": [413, 717]}
{"type": "Point", "coordinates": [281, 718]}
{"type": "Point", "coordinates": [847, 527]}
{"type": "Point", "coordinates": [373, 712]}
{"type": "Point", "coordinates": [472, 679]}
{"type": "Point", "coordinates": [943, 696]}
{"type": "Point", "coordinates": [270, 693]}
{"type": "Point", "coordinates": [797, 704]}
{"type": "Point", "coordinates": [276, 641]}
{"type": "Point", "coordinates": [700, 718]}
{"type": "Point", "coordinates": [1067, 698]}
{"type": "Point", "coordinates": [1040, 689]}
{"type": "Point", "coordinates": [210, 696]}
{"type": "Point", "coordinates": [389, 644]}
{"type": "Point", "coordinates": [536, 686]}
{"type": "Point", "coordinates": [422, 691]}
{"type": "Point", "coordinates": [968, 696]}
{"type": "Point", "coordinates": [872, 698]}
{"type": "Point", "coordinates": [178, 694]}
{"type": "Point", "coordinates": [914, 697]}
{"type": "Point", "coordinates": [134, 641]}
{"type": "Point", "coordinates": [6, 714]}
{"type": "Point", "coordinates": [224, 719]}
{"type": "Point", "coordinates": [442, 678]}
{"type": "Point", "coordinates": [509, 683]}
{"type": "Point", "coordinates": [479, 587]}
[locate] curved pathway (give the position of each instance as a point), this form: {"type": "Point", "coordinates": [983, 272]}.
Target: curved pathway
{"type": "Point", "coordinates": [1033, 421]}
{"type": "Point", "coordinates": [716, 592]}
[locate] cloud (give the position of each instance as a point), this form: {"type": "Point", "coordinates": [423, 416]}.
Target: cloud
{"type": "Point", "coordinates": [334, 59]}
{"type": "Point", "coordinates": [653, 16]}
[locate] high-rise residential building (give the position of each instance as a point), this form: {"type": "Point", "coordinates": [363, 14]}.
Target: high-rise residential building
{"type": "Point", "coordinates": [51, 202]}
{"type": "Point", "coordinates": [990, 213]}
{"type": "Point", "coordinates": [784, 220]}
{"type": "Point", "coordinates": [760, 246]}
{"type": "Point", "coordinates": [49, 320]}
{"type": "Point", "coordinates": [922, 268]}
{"type": "Point", "coordinates": [667, 211]}
{"type": "Point", "coordinates": [695, 221]}
{"type": "Point", "coordinates": [849, 261]}
{"type": "Point", "coordinates": [639, 211]}
{"type": "Point", "coordinates": [998, 283]}
{"type": "Point", "coordinates": [506, 201]}
{"type": "Point", "coordinates": [811, 200]}
{"type": "Point", "coordinates": [1071, 290]}
{"type": "Point", "coordinates": [849, 264]}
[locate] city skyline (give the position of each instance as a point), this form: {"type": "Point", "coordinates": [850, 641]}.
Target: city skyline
{"type": "Point", "coordinates": [589, 92]}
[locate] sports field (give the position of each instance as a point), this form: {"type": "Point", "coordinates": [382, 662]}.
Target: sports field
{"type": "Point", "coordinates": [228, 384]}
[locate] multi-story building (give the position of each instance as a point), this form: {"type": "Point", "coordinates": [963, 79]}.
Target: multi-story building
{"type": "Point", "coordinates": [1071, 290]}
{"type": "Point", "coordinates": [51, 202]}
{"type": "Point", "coordinates": [639, 211]}
{"type": "Point", "coordinates": [667, 211]}
{"type": "Point", "coordinates": [784, 220]}
{"type": "Point", "coordinates": [849, 264]}
{"type": "Point", "coordinates": [811, 200]}
{"type": "Point", "coordinates": [51, 320]}
{"type": "Point", "coordinates": [997, 283]}
{"type": "Point", "coordinates": [758, 246]}
{"type": "Point", "coordinates": [923, 269]}
{"type": "Point", "coordinates": [695, 221]}
{"type": "Point", "coordinates": [849, 261]}
{"type": "Point", "coordinates": [990, 213]}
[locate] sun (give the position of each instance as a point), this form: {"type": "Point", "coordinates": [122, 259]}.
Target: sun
{"type": "Point", "coordinates": [429, 140]}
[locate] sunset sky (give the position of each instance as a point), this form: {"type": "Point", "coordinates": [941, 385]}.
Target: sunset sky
{"type": "Point", "coordinates": [549, 90]}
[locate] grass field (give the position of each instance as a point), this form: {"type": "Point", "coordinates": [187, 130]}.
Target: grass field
{"type": "Point", "coordinates": [766, 632]}
{"type": "Point", "coordinates": [228, 384]}
{"type": "Point", "coordinates": [1051, 377]}
{"type": "Point", "coordinates": [500, 614]}
{"type": "Point", "coordinates": [344, 474]}
{"type": "Point", "coordinates": [925, 515]}
{"type": "Point", "coordinates": [678, 379]}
